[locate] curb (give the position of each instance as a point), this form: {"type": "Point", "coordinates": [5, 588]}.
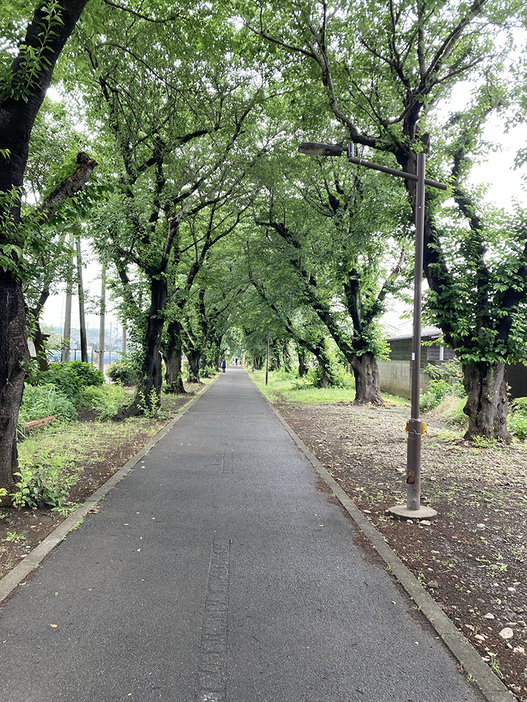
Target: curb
{"type": "Point", "coordinates": [15, 577]}
{"type": "Point", "coordinates": [491, 687]}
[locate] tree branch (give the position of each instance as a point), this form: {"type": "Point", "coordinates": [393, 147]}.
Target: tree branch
{"type": "Point", "coordinates": [68, 188]}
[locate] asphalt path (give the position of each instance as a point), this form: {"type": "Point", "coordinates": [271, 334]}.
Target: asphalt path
{"type": "Point", "coordinates": [217, 571]}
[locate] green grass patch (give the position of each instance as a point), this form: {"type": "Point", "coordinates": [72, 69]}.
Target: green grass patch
{"type": "Point", "coordinates": [283, 386]}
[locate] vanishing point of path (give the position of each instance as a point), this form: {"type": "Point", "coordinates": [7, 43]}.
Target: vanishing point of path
{"type": "Point", "coordinates": [217, 572]}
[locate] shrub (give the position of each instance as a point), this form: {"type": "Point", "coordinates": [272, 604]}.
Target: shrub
{"type": "Point", "coordinates": [87, 374]}
{"type": "Point", "coordinates": [517, 422]}
{"type": "Point", "coordinates": [44, 401]}
{"type": "Point", "coordinates": [123, 373]}
{"type": "Point", "coordinates": [42, 484]}
{"type": "Point", "coordinates": [444, 381]}
{"type": "Point", "coordinates": [106, 400]}
{"type": "Point", "coordinates": [208, 371]}
{"type": "Point", "coordinates": [70, 378]}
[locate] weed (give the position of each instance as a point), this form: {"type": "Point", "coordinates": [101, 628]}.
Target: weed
{"type": "Point", "coordinates": [484, 442]}
{"type": "Point", "coordinates": [107, 400]}
{"type": "Point", "coordinates": [151, 409]}
{"type": "Point", "coordinates": [14, 537]}
{"type": "Point", "coordinates": [448, 435]}
{"type": "Point", "coordinates": [495, 665]}
{"type": "Point", "coordinates": [42, 483]}
{"type": "Point", "coordinates": [45, 401]}
{"type": "Point", "coordinates": [66, 510]}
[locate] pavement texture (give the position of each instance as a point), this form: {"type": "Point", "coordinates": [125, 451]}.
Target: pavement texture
{"type": "Point", "coordinates": [217, 571]}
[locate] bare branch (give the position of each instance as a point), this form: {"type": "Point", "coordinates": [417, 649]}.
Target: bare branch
{"type": "Point", "coordinates": [171, 18]}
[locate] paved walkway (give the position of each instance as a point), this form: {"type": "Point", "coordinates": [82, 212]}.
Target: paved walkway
{"type": "Point", "coordinates": [216, 571]}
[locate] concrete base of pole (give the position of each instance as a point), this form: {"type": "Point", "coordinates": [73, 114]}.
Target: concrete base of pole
{"type": "Point", "coordinates": [403, 512]}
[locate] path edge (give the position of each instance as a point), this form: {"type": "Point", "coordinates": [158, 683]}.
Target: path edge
{"type": "Point", "coordinates": [20, 572]}
{"type": "Point", "coordinates": [491, 687]}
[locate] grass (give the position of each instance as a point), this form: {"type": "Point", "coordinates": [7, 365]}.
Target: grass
{"type": "Point", "coordinates": [280, 386]}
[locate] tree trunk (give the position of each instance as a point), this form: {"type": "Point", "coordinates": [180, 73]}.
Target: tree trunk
{"type": "Point", "coordinates": [286, 356]}
{"type": "Point", "coordinates": [173, 377]}
{"type": "Point", "coordinates": [193, 358]}
{"type": "Point", "coordinates": [149, 387]}
{"type": "Point", "coordinates": [487, 403]}
{"type": "Point", "coordinates": [39, 339]}
{"type": "Point", "coordinates": [302, 364]}
{"type": "Point", "coordinates": [173, 355]}
{"type": "Point", "coordinates": [17, 117]}
{"type": "Point", "coordinates": [326, 377]}
{"type": "Point", "coordinates": [367, 381]}
{"type": "Point", "coordinates": [13, 358]}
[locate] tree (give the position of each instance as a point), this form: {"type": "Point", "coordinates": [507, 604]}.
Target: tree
{"type": "Point", "coordinates": [342, 238]}
{"type": "Point", "coordinates": [382, 70]}
{"type": "Point", "coordinates": [176, 137]}
{"type": "Point", "coordinates": [481, 309]}
{"type": "Point", "coordinates": [25, 74]}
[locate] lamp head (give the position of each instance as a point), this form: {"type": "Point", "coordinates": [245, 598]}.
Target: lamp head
{"type": "Point", "coordinates": [315, 149]}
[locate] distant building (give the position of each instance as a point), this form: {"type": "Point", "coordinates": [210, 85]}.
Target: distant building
{"type": "Point", "coordinates": [396, 374]}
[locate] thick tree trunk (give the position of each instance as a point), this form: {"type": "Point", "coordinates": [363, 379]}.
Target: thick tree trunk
{"type": "Point", "coordinates": [193, 358]}
{"type": "Point", "coordinates": [302, 363]}
{"type": "Point", "coordinates": [173, 358]}
{"type": "Point", "coordinates": [173, 377]}
{"type": "Point", "coordinates": [149, 387]}
{"type": "Point", "coordinates": [14, 355]}
{"type": "Point", "coordinates": [367, 381]}
{"type": "Point", "coordinates": [17, 117]}
{"type": "Point", "coordinates": [326, 378]}
{"type": "Point", "coordinates": [487, 403]}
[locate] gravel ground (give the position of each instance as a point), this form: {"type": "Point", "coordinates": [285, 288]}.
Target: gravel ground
{"type": "Point", "coordinates": [472, 557]}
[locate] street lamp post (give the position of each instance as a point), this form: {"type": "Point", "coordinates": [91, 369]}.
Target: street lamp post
{"type": "Point", "coordinates": [413, 509]}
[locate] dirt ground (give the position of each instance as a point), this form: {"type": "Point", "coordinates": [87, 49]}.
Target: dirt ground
{"type": "Point", "coordinates": [471, 558]}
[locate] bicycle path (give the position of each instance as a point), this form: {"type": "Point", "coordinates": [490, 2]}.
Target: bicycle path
{"type": "Point", "coordinates": [217, 571]}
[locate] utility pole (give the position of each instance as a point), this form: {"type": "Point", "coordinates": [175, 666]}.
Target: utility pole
{"type": "Point", "coordinates": [267, 358]}
{"type": "Point", "coordinates": [82, 318]}
{"type": "Point", "coordinates": [66, 336]}
{"type": "Point", "coordinates": [102, 318]}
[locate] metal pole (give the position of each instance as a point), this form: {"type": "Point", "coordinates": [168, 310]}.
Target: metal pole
{"type": "Point", "coordinates": [102, 318]}
{"type": "Point", "coordinates": [396, 172]}
{"type": "Point", "coordinates": [413, 463]}
{"type": "Point", "coordinates": [267, 359]}
{"type": "Point", "coordinates": [82, 317]}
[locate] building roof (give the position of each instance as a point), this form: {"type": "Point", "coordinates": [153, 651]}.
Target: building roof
{"type": "Point", "coordinates": [428, 333]}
